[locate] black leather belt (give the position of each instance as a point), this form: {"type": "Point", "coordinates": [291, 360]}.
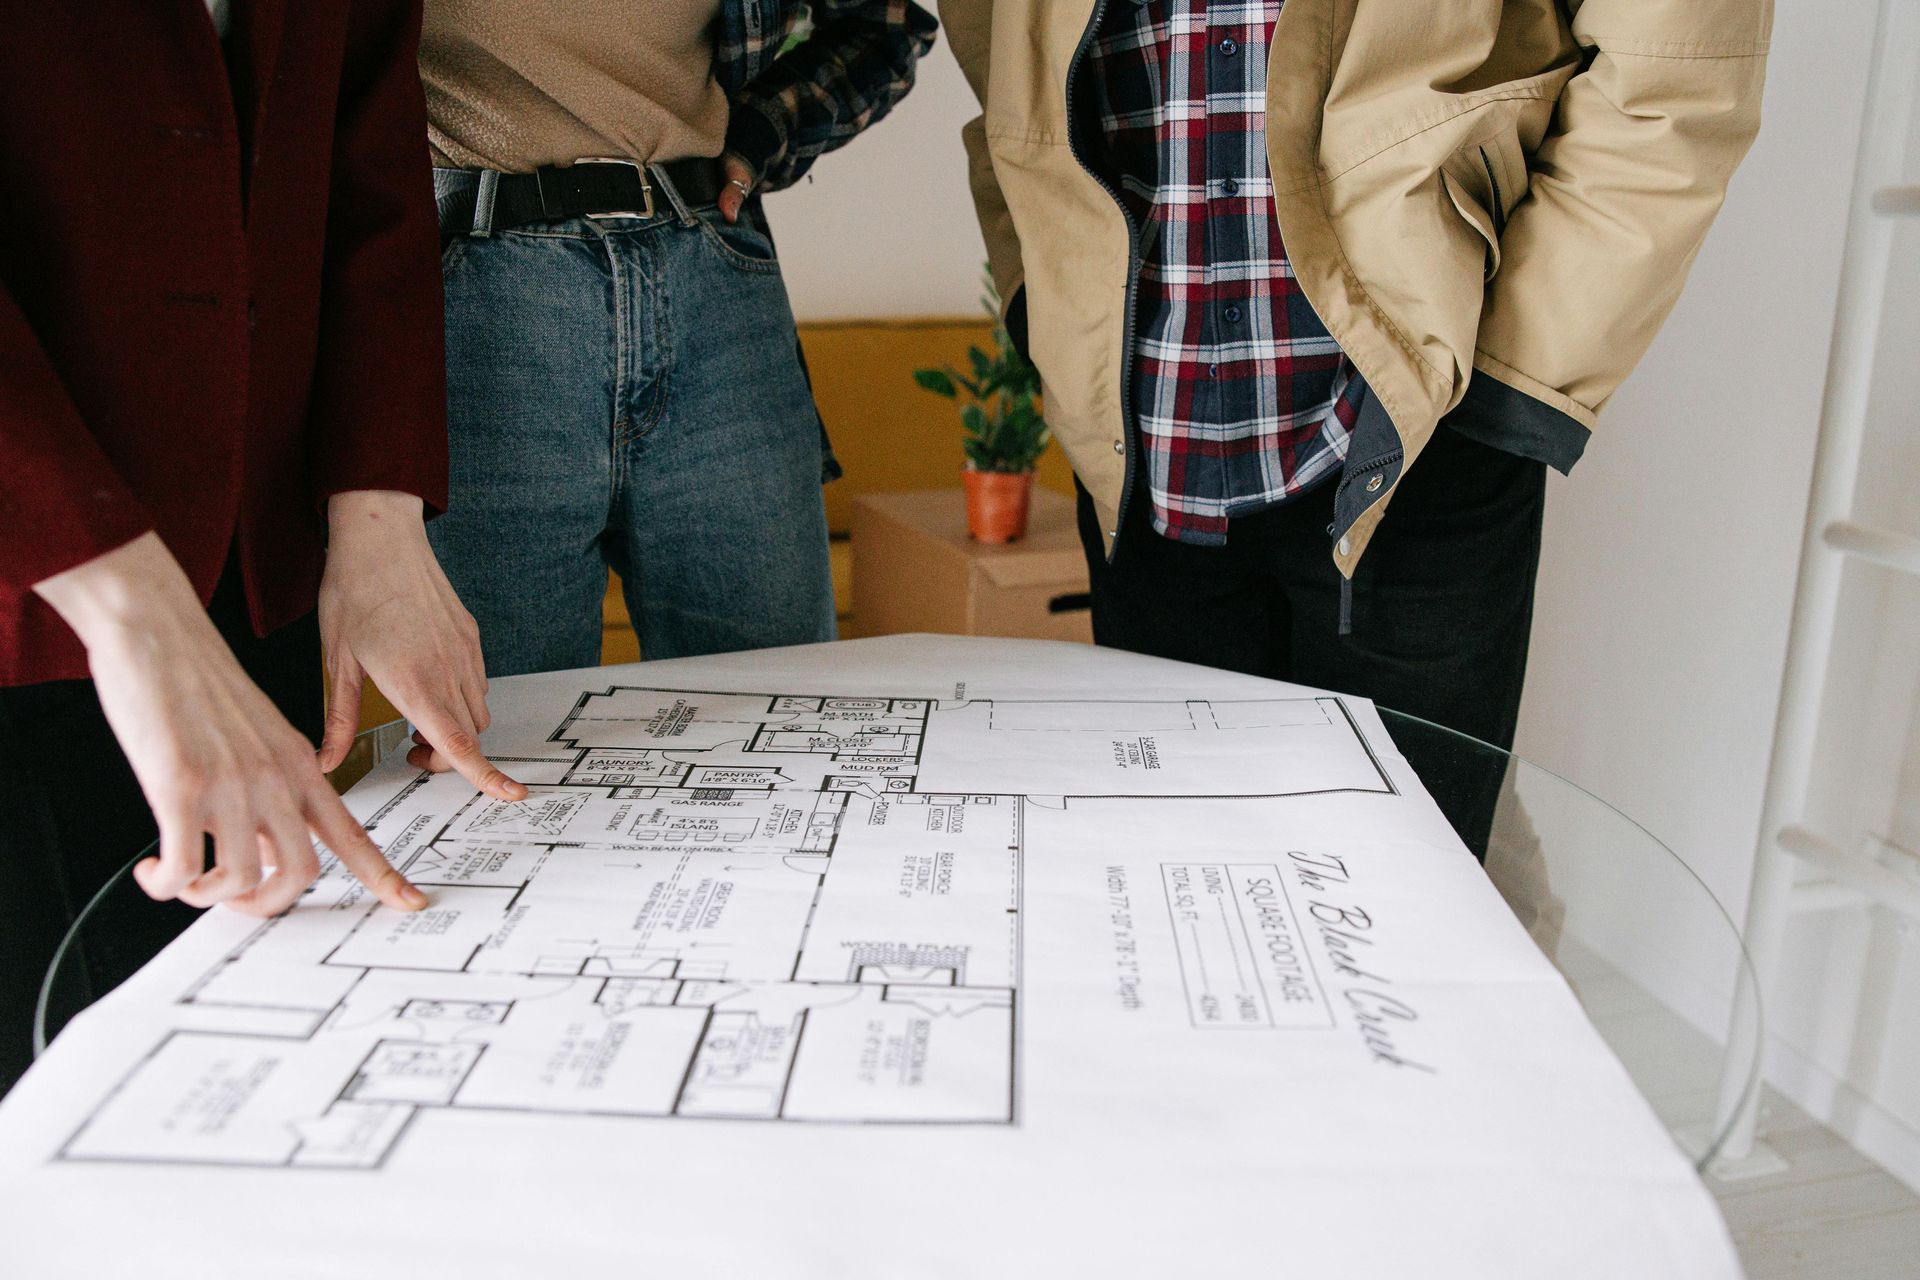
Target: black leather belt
{"type": "Point", "coordinates": [588, 188]}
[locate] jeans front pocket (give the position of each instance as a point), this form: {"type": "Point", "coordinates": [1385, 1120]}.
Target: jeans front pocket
{"type": "Point", "coordinates": [741, 244]}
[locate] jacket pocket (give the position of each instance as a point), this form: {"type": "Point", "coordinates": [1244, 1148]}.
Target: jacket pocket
{"type": "Point", "coordinates": [1485, 180]}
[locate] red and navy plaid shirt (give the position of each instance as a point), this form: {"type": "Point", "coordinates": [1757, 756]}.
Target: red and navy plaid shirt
{"type": "Point", "coordinates": [1242, 398]}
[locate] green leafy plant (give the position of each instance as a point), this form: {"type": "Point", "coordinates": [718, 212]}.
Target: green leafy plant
{"type": "Point", "coordinates": [1004, 428]}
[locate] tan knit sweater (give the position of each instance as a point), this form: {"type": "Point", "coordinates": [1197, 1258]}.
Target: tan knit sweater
{"type": "Point", "coordinates": [515, 84]}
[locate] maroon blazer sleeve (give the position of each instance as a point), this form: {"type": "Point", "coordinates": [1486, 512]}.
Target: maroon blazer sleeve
{"type": "Point", "coordinates": [61, 502]}
{"type": "Point", "coordinates": [379, 399]}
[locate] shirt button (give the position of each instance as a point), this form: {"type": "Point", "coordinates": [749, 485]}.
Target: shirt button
{"type": "Point", "coordinates": [1232, 314]}
{"type": "Point", "coordinates": [1230, 186]}
{"type": "Point", "coordinates": [1229, 47]}
{"type": "Point", "coordinates": [1213, 371]}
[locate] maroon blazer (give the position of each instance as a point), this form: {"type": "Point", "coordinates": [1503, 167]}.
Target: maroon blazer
{"type": "Point", "coordinates": [192, 345]}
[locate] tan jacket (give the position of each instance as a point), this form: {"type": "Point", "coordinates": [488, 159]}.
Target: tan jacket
{"type": "Point", "coordinates": [1484, 190]}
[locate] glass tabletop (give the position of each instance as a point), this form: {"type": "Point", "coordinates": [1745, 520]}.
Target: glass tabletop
{"type": "Point", "coordinates": [1652, 956]}
{"type": "Point", "coordinates": [1655, 960]}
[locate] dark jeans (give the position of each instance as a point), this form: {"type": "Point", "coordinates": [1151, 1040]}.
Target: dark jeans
{"type": "Point", "coordinates": [74, 816]}
{"type": "Point", "coordinates": [1442, 604]}
{"type": "Point", "coordinates": [626, 392]}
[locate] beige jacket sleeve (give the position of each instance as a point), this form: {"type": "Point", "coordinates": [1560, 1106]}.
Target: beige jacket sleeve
{"type": "Point", "coordinates": [1644, 140]}
{"type": "Point", "coordinates": [969, 28]}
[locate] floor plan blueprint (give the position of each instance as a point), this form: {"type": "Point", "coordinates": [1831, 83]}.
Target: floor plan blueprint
{"type": "Point", "coordinates": [778, 905]}
{"type": "Point", "coordinates": [915, 957]}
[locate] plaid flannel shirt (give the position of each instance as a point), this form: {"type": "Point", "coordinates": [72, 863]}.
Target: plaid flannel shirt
{"type": "Point", "coordinates": [1242, 399]}
{"type": "Point", "coordinates": [853, 61]}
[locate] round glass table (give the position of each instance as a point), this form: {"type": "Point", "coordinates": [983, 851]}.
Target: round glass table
{"type": "Point", "coordinates": [1652, 956]}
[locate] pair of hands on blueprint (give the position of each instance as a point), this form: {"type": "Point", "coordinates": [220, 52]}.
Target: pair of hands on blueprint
{"type": "Point", "coordinates": [215, 757]}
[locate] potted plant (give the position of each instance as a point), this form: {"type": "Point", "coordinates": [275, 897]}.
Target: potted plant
{"type": "Point", "coordinates": [1005, 433]}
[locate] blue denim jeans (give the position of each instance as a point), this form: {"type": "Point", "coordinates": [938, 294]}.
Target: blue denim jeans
{"type": "Point", "coordinates": [628, 393]}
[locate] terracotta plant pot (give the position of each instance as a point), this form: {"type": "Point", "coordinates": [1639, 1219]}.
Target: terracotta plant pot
{"type": "Point", "coordinates": [997, 504]}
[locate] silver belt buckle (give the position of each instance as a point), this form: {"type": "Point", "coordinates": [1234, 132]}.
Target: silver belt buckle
{"type": "Point", "coordinates": [646, 187]}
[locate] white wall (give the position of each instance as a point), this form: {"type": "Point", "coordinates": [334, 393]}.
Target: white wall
{"type": "Point", "coordinates": [1846, 1014]}
{"type": "Point", "coordinates": [1668, 572]}
{"type": "Point", "coordinates": [885, 226]}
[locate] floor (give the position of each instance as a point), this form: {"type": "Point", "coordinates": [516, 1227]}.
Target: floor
{"type": "Point", "coordinates": [1832, 1214]}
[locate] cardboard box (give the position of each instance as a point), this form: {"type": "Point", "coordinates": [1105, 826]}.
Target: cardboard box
{"type": "Point", "coordinates": [915, 569]}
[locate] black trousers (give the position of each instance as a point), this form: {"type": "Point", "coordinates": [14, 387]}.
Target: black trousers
{"type": "Point", "coordinates": [1442, 605]}
{"type": "Point", "coordinates": [75, 817]}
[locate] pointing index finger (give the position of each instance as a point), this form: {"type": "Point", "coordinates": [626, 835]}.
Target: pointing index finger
{"type": "Point", "coordinates": [358, 853]}
{"type": "Point", "coordinates": [459, 748]}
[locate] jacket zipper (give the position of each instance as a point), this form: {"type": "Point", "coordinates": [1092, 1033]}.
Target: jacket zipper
{"type": "Point", "coordinates": [1074, 67]}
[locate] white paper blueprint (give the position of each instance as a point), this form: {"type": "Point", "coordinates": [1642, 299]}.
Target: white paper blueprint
{"type": "Point", "coordinates": [907, 957]}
